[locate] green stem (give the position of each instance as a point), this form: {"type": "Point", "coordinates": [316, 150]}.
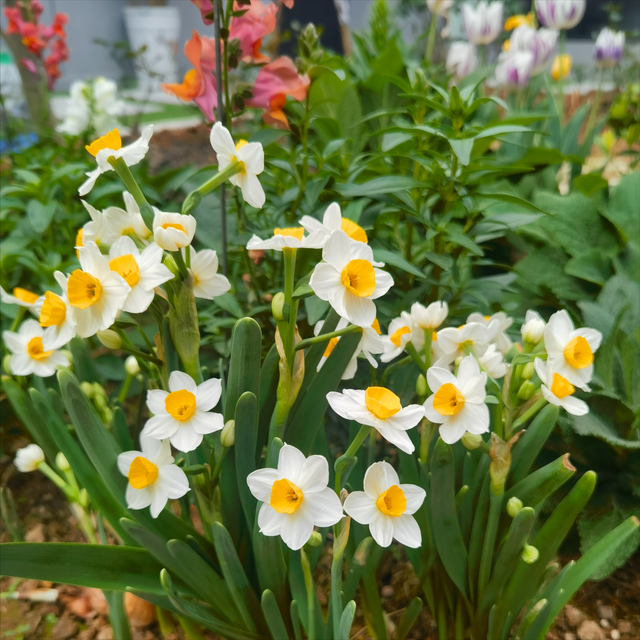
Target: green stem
{"type": "Point", "coordinates": [486, 560]}
{"type": "Point", "coordinates": [289, 256]}
{"type": "Point", "coordinates": [527, 415]}
{"type": "Point", "coordinates": [426, 435]}
{"type": "Point", "coordinates": [411, 350]}
{"type": "Point", "coordinates": [141, 354]}
{"type": "Point", "coordinates": [432, 39]}
{"type": "Point", "coordinates": [84, 522]}
{"type": "Point", "coordinates": [428, 337]}
{"type": "Point", "coordinates": [595, 107]}
{"type": "Point", "coordinates": [393, 367]}
{"type": "Point", "coordinates": [122, 396]}
{"type": "Point", "coordinates": [18, 319]}
{"type": "Point", "coordinates": [190, 628]}
{"type": "Point", "coordinates": [121, 168]}
{"type": "Point", "coordinates": [195, 197]}
{"type": "Point", "coordinates": [182, 267]}
{"type": "Point", "coordinates": [343, 461]}
{"type": "Point", "coordinates": [303, 344]}
{"type": "Point", "coordinates": [311, 595]}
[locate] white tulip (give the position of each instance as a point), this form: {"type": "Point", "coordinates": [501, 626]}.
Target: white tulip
{"type": "Point", "coordinates": [482, 23]}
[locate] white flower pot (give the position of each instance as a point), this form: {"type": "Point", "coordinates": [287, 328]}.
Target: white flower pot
{"type": "Point", "coordinates": [157, 28]}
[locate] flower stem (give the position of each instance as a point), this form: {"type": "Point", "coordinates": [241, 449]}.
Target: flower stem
{"type": "Point", "coordinates": [289, 256]}
{"type": "Point", "coordinates": [594, 108]}
{"type": "Point", "coordinates": [303, 344]}
{"type": "Point", "coordinates": [195, 197]}
{"type": "Point", "coordinates": [563, 41]}
{"type": "Point", "coordinates": [432, 38]}
{"type": "Point", "coordinates": [343, 461]}
{"type": "Point", "coordinates": [122, 396]}
{"type": "Point", "coordinates": [121, 168]}
{"type": "Point", "coordinates": [18, 319]}
{"type": "Point", "coordinates": [182, 267]}
{"type": "Point", "coordinates": [411, 350]}
{"type": "Point", "coordinates": [311, 595]}
{"type": "Point", "coordinates": [527, 415]}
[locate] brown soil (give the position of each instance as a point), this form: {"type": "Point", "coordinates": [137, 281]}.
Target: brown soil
{"type": "Point", "coordinates": [174, 149]}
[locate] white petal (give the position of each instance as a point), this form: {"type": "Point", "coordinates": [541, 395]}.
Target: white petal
{"type": "Point", "coordinates": [270, 521]}
{"type": "Point", "coordinates": [125, 459]}
{"type": "Point", "coordinates": [138, 300]}
{"type": "Point", "coordinates": [475, 417]}
{"type": "Point", "coordinates": [436, 377]}
{"type": "Point", "coordinates": [360, 507]}
{"type": "Point", "coordinates": [407, 532]}
{"type": "Point", "coordinates": [337, 251]}
{"type": "Point", "coordinates": [204, 422]}
{"type": "Point", "coordinates": [473, 389]}
{"type": "Point", "coordinates": [397, 437]}
{"type": "Point", "coordinates": [158, 503]}
{"type": "Point", "coordinates": [431, 414]}
{"type": "Point", "coordinates": [593, 337]}
{"type": "Point", "coordinates": [186, 439]}
{"type": "Point", "coordinates": [332, 218]}
{"type": "Point", "coordinates": [415, 497]}
{"type": "Point", "coordinates": [157, 451]}
{"type": "Point", "coordinates": [324, 280]}
{"type": "Point", "coordinates": [208, 394]}
{"type": "Point", "coordinates": [172, 481]}
{"type": "Point", "coordinates": [384, 282]}
{"type": "Point", "coordinates": [261, 483]}
{"type": "Point", "coordinates": [291, 463]}
{"type": "Point", "coordinates": [381, 528]}
{"type": "Point", "coordinates": [378, 478]}
{"type": "Point", "coordinates": [179, 380]}
{"type": "Point", "coordinates": [252, 191]}
{"type": "Point", "coordinates": [407, 418]}
{"type": "Point", "coordinates": [360, 311]}
{"type": "Point", "coordinates": [452, 430]}
{"type": "Point", "coordinates": [297, 530]}
{"type": "Point", "coordinates": [314, 475]}
{"type": "Point", "coordinates": [221, 141]}
{"type": "Point", "coordinates": [138, 498]}
{"type": "Point", "coordinates": [575, 406]}
{"type": "Point", "coordinates": [160, 427]}
{"type": "Point", "coordinates": [342, 404]}
{"type": "Point", "coordinates": [468, 370]}
{"type": "Point", "coordinates": [324, 506]}
{"type": "Point", "coordinates": [541, 370]}
{"type": "Point", "coordinates": [155, 401]}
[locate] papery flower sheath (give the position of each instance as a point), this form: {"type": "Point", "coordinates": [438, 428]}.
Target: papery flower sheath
{"type": "Point", "coordinates": [295, 497]}
{"type": "Point", "coordinates": [387, 506]}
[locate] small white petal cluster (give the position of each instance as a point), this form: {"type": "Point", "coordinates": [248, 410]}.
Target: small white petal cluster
{"type": "Point", "coordinates": [28, 355]}
{"type": "Point", "coordinates": [28, 458]}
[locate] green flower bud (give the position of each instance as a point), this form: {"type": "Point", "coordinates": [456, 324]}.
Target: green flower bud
{"type": "Point", "coordinates": [228, 435]}
{"type": "Point", "coordinates": [471, 441]}
{"type": "Point", "coordinates": [83, 498]}
{"type": "Point", "coordinates": [98, 391]}
{"type": "Point", "coordinates": [315, 540]}
{"type": "Point", "coordinates": [131, 366]}
{"type": "Point", "coordinates": [421, 386]}
{"type": "Point", "coordinates": [87, 389]}
{"type": "Point", "coordinates": [6, 364]}
{"type": "Point", "coordinates": [61, 462]}
{"type": "Point", "coordinates": [277, 305]}
{"type": "Point", "coordinates": [526, 391]}
{"type": "Point", "coordinates": [527, 371]}
{"type": "Point", "coordinates": [191, 202]}
{"type": "Point", "coordinates": [529, 554]}
{"type": "Point", "coordinates": [170, 263]}
{"type": "Point", "coordinates": [110, 339]}
{"type": "Point", "coordinates": [514, 506]}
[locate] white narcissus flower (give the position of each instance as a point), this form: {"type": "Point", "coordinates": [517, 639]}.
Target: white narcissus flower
{"type": "Point", "coordinates": [183, 414]}
{"type": "Point", "coordinates": [609, 48]}
{"type": "Point", "coordinates": [295, 497]}
{"type": "Point", "coordinates": [431, 317]}
{"type": "Point", "coordinates": [379, 408]}
{"type": "Point", "coordinates": [110, 146]}
{"type": "Point", "coordinates": [532, 330]}
{"type": "Point", "coordinates": [172, 231]}
{"type": "Point", "coordinates": [497, 325]}
{"type": "Point", "coordinates": [332, 220]}
{"type": "Point", "coordinates": [402, 330]}
{"type": "Point", "coordinates": [457, 403]}
{"type": "Point", "coordinates": [493, 362]}
{"type": "Point", "coordinates": [28, 458]}
{"type": "Point", "coordinates": [56, 316]}
{"type": "Point", "coordinates": [387, 506]}
{"type": "Point", "coordinates": [569, 350]}
{"type": "Point", "coordinates": [251, 157]}
{"type": "Point", "coordinates": [462, 59]}
{"type": "Point", "coordinates": [95, 292]}
{"type": "Point", "coordinates": [21, 297]}
{"type": "Point", "coordinates": [558, 390]}
{"type": "Point", "coordinates": [452, 342]}
{"type": "Point", "coordinates": [560, 14]}
{"type": "Point", "coordinates": [153, 478]}
{"type": "Point", "coordinates": [290, 238]}
{"type": "Point", "coordinates": [113, 223]}
{"type": "Point", "coordinates": [348, 280]}
{"type": "Point", "coordinates": [207, 282]}
{"type": "Point", "coordinates": [143, 272]}
{"type": "Point", "coordinates": [482, 23]}
{"type": "Point", "coordinates": [27, 353]}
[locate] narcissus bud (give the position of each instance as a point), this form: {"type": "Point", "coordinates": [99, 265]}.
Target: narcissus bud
{"type": "Point", "coordinates": [471, 440]}
{"type": "Point", "coordinates": [277, 305]}
{"type": "Point", "coordinates": [527, 371]}
{"type": "Point", "coordinates": [228, 435]}
{"type": "Point", "coordinates": [5, 364]}
{"type": "Point", "coordinates": [87, 389]}
{"type": "Point", "coordinates": [421, 386]}
{"type": "Point", "coordinates": [514, 506]}
{"type": "Point", "coordinates": [170, 263]}
{"type": "Point", "coordinates": [131, 366]}
{"type": "Point", "coordinates": [110, 338]}
{"type": "Point", "coordinates": [529, 554]}
{"type": "Point", "coordinates": [315, 540]}
{"type": "Point", "coordinates": [526, 391]}
{"type": "Point", "coordinates": [61, 462]}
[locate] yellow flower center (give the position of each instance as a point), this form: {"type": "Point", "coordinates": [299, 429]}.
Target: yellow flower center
{"type": "Point", "coordinates": [142, 473]}
{"type": "Point", "coordinates": [180, 405]}
{"type": "Point", "coordinates": [174, 225]}
{"type": "Point", "coordinates": [285, 496]}
{"type": "Point", "coordinates": [561, 387]}
{"type": "Point", "coordinates": [359, 278]}
{"type": "Point", "coordinates": [434, 337]}
{"type": "Point", "coordinates": [396, 336]}
{"type": "Point", "coordinates": [375, 325]}
{"type": "Point", "coordinates": [382, 402]}
{"type": "Point", "coordinates": [578, 353]}
{"type": "Point", "coordinates": [330, 347]}
{"type": "Point", "coordinates": [110, 140]}
{"type": "Point", "coordinates": [80, 237]}
{"type": "Point", "coordinates": [35, 350]}
{"type": "Point", "coordinates": [25, 296]}
{"type": "Point", "coordinates": [448, 400]}
{"type": "Point", "coordinates": [53, 311]}
{"type": "Point", "coordinates": [239, 145]}
{"type": "Point", "coordinates": [353, 230]}
{"type": "Point", "coordinates": [83, 289]}
{"type": "Point", "coordinates": [392, 502]}
{"type": "Point", "coordinates": [292, 232]}
{"type": "Point", "coordinates": [127, 267]}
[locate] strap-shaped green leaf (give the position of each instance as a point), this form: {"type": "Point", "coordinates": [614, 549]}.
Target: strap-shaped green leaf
{"type": "Point", "coordinates": [273, 616]}
{"type": "Point", "coordinates": [246, 418]}
{"type": "Point", "coordinates": [409, 617]}
{"type": "Point", "coordinates": [121, 430]}
{"type": "Point", "coordinates": [346, 619]}
{"type": "Point", "coordinates": [117, 615]}
{"type": "Point", "coordinates": [84, 565]}
{"type": "Point", "coordinates": [444, 517]}
{"type": "Point", "coordinates": [299, 593]}
{"type": "Point", "coordinates": [295, 620]}
{"type": "Point", "coordinates": [268, 389]}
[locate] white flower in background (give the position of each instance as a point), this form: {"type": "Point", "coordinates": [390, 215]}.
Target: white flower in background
{"type": "Point", "coordinates": [457, 403]}
{"type": "Point", "coordinates": [173, 231]}
{"type": "Point", "coordinates": [439, 7]}
{"type": "Point", "coordinates": [95, 292]}
{"type": "Point", "coordinates": [514, 69]}
{"type": "Point", "coordinates": [569, 350]}
{"type": "Point", "coordinates": [493, 362]}
{"type": "Point", "coordinates": [609, 48]}
{"type": "Point", "coordinates": [110, 146]}
{"type": "Point", "coordinates": [560, 14]}
{"type": "Point", "coordinates": [369, 344]}
{"type": "Point", "coordinates": [143, 272]}
{"type": "Point", "coordinates": [558, 390]}
{"type": "Point", "coordinates": [291, 238]}
{"type": "Point", "coordinates": [251, 157]}
{"type": "Point", "coordinates": [55, 314]}
{"type": "Point", "coordinates": [452, 342]}
{"type": "Point", "coordinates": [78, 112]}
{"type": "Point", "coordinates": [532, 330]}
{"type": "Point", "coordinates": [348, 280]}
{"type": "Point", "coordinates": [153, 478]}
{"type": "Point", "coordinates": [482, 23]}
{"type": "Point", "coordinates": [402, 330]}
{"type": "Point", "coordinates": [207, 282]}
{"type": "Point", "coordinates": [27, 353]}
{"type": "Point", "coordinates": [96, 230]}
{"type": "Point", "coordinates": [379, 408]}
{"type": "Point", "coordinates": [462, 59]}
{"type": "Point", "coordinates": [387, 506]}
{"type": "Point", "coordinates": [332, 220]}
{"type": "Point", "coordinates": [431, 317]}
{"type": "Point", "coordinates": [21, 297]}
{"type": "Point", "coordinates": [295, 497]}
{"type": "Point", "coordinates": [183, 414]}
{"type": "Point", "coordinates": [540, 43]}
{"type": "Point", "coordinates": [28, 458]}
{"type": "Point", "coordinates": [497, 325]}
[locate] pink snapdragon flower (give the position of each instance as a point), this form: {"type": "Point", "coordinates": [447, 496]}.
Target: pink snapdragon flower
{"type": "Point", "coordinates": [258, 21]}
{"type": "Point", "coordinates": [205, 7]}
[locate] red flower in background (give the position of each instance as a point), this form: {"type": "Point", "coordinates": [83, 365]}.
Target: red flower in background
{"type": "Point", "coordinates": [258, 21]}
{"type": "Point", "coordinates": [274, 83]}
{"type": "Point", "coordinates": [206, 7]}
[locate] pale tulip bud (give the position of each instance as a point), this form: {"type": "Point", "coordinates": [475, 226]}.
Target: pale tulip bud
{"type": "Point", "coordinates": [514, 506]}
{"type": "Point", "coordinates": [277, 305]}
{"type": "Point", "coordinates": [131, 366]}
{"type": "Point", "coordinates": [471, 441]}
{"type": "Point", "coordinates": [110, 338]}
{"type": "Point", "coordinates": [61, 462]}
{"type": "Point", "coordinates": [228, 434]}
{"type": "Point", "coordinates": [421, 386]}
{"type": "Point", "coordinates": [529, 554]}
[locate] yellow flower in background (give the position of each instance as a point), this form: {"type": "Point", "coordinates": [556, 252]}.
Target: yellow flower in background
{"type": "Point", "coordinates": [517, 21]}
{"type": "Point", "coordinates": [561, 66]}
{"type": "Point", "coordinates": [21, 297]}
